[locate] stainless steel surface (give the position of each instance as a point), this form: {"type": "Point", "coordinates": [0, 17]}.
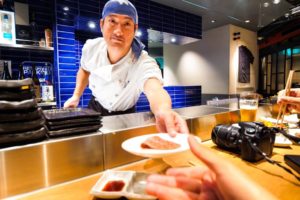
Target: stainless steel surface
{"type": "Point", "coordinates": [199, 111]}
{"type": "Point", "coordinates": [30, 167]}
{"type": "Point", "coordinates": [125, 122]}
{"type": "Point", "coordinates": [202, 126]}
{"type": "Point", "coordinates": [114, 155]}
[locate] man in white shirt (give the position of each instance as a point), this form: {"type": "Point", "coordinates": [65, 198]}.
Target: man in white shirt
{"type": "Point", "coordinates": [118, 70]}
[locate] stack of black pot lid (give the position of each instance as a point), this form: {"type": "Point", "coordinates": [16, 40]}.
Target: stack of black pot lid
{"type": "Point", "coordinates": [71, 121]}
{"type": "Point", "coordinates": [21, 120]}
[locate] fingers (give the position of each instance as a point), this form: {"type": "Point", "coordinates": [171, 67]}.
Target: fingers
{"type": "Point", "coordinates": [192, 172]}
{"type": "Point", "coordinates": [166, 193]}
{"type": "Point", "coordinates": [208, 157]}
{"type": "Point", "coordinates": [292, 100]}
{"type": "Point", "coordinates": [165, 122]}
{"type": "Point", "coordinates": [182, 125]}
{"type": "Point", "coordinates": [185, 183]}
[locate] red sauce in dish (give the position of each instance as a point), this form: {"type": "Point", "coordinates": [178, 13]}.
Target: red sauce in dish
{"type": "Point", "coordinates": [113, 186]}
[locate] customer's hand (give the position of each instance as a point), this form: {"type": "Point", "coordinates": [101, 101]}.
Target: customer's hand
{"type": "Point", "coordinates": [219, 179]}
{"type": "Point", "coordinates": [168, 121]}
{"type": "Point", "coordinates": [293, 100]}
{"type": "Point", "coordinates": [72, 102]}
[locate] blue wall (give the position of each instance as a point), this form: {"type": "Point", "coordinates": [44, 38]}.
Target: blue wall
{"type": "Point", "coordinates": [182, 96]}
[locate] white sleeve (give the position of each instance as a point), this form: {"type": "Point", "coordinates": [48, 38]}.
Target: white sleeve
{"type": "Point", "coordinates": [84, 55]}
{"type": "Point", "coordinates": [149, 69]}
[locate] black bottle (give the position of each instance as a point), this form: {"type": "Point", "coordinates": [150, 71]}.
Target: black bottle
{"type": "Point", "coordinates": [6, 74]}
{"type": "Point", "coordinates": [37, 85]}
{"type": "Point", "coordinates": [21, 75]}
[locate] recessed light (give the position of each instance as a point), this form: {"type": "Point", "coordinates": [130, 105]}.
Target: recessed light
{"type": "Point", "coordinates": [139, 33]}
{"type": "Point", "coordinates": [247, 21]}
{"type": "Point", "coordinates": [66, 8]}
{"type": "Point", "coordinates": [266, 4]}
{"type": "Point", "coordinates": [173, 40]}
{"type": "Point", "coordinates": [91, 24]}
{"type": "Point", "coordinates": [260, 38]}
{"type": "Point", "coordinates": [276, 1]}
{"type": "Point", "coordinates": [213, 21]}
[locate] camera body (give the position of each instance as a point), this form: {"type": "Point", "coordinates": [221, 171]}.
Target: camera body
{"type": "Point", "coordinates": [244, 137]}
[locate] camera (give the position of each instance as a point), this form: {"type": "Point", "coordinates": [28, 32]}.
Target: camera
{"type": "Point", "coordinates": [250, 139]}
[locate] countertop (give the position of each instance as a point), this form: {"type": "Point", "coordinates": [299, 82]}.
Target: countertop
{"type": "Point", "coordinates": [273, 178]}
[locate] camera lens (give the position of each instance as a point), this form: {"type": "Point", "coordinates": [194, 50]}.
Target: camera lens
{"type": "Point", "coordinates": [226, 136]}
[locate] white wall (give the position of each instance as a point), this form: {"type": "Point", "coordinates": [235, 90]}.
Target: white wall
{"type": "Point", "coordinates": [211, 62]}
{"type": "Point", "coordinates": [248, 39]}
{"type": "Point", "coordinates": [204, 62]}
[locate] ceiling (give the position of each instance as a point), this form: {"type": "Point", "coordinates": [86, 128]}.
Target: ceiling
{"type": "Point", "coordinates": [232, 11]}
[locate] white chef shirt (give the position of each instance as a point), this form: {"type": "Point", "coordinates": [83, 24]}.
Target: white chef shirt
{"type": "Point", "coordinates": [118, 86]}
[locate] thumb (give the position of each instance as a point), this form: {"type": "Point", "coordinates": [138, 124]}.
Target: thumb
{"type": "Point", "coordinates": [207, 156]}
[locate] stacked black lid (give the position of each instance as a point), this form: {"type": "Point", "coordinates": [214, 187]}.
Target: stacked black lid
{"type": "Point", "coordinates": [71, 121]}
{"type": "Point", "coordinates": [21, 120]}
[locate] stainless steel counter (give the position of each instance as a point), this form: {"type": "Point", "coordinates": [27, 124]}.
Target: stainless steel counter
{"type": "Point", "coordinates": [30, 167]}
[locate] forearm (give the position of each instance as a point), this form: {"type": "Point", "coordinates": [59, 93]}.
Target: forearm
{"type": "Point", "coordinates": [82, 80]}
{"type": "Point", "coordinates": [159, 100]}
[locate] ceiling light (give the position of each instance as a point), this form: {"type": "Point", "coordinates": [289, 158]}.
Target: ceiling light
{"type": "Point", "coordinates": [91, 24]}
{"type": "Point", "coordinates": [139, 33]}
{"type": "Point", "coordinates": [260, 38]}
{"type": "Point", "coordinates": [213, 21]}
{"type": "Point", "coordinates": [247, 21]}
{"type": "Point", "coordinates": [173, 40]}
{"type": "Point", "coordinates": [266, 4]}
{"type": "Point", "coordinates": [276, 1]}
{"type": "Point", "coordinates": [66, 8]}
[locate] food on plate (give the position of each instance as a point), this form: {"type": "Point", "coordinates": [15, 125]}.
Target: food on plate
{"type": "Point", "coordinates": [156, 142]}
{"type": "Point", "coordinates": [113, 186]}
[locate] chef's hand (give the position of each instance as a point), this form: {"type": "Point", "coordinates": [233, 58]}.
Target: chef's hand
{"type": "Point", "coordinates": [219, 179]}
{"type": "Point", "coordinates": [72, 102]}
{"type": "Point", "coordinates": [168, 121]}
{"type": "Point", "coordinates": [293, 100]}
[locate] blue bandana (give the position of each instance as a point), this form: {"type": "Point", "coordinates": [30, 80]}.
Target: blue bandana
{"type": "Point", "coordinates": [125, 7]}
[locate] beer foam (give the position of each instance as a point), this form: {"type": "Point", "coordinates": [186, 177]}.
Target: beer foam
{"type": "Point", "coordinates": [248, 107]}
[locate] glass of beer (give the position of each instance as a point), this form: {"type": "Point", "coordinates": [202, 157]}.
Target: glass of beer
{"type": "Point", "coordinates": [248, 106]}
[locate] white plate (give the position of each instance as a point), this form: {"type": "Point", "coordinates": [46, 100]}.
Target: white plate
{"type": "Point", "coordinates": [133, 145]}
{"type": "Point", "coordinates": [281, 141]}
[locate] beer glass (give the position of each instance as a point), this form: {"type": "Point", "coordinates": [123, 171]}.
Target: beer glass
{"type": "Point", "coordinates": [248, 106]}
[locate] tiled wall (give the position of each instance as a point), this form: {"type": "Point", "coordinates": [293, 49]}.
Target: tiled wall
{"type": "Point", "coordinates": [71, 33]}
{"type": "Point", "coordinates": [182, 96]}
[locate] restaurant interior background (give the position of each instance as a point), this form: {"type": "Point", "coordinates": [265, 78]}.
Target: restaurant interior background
{"type": "Point", "coordinates": [195, 42]}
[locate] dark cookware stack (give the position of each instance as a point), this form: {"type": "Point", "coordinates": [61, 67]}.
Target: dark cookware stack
{"type": "Point", "coordinates": [71, 121]}
{"type": "Point", "coordinates": [21, 120]}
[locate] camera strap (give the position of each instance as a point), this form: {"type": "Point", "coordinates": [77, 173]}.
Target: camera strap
{"type": "Point", "coordinates": [255, 148]}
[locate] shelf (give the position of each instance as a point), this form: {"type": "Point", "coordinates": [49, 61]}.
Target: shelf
{"type": "Point", "coordinates": [43, 104]}
{"type": "Point", "coordinates": [22, 46]}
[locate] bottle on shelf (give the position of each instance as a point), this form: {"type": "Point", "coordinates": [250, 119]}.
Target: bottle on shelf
{"type": "Point", "coordinates": [6, 29]}
{"type": "Point", "coordinates": [37, 85]}
{"type": "Point", "coordinates": [6, 74]}
{"type": "Point", "coordinates": [21, 75]}
{"type": "Point", "coordinates": [47, 87]}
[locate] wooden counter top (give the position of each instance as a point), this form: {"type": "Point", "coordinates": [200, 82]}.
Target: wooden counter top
{"type": "Point", "coordinates": [276, 180]}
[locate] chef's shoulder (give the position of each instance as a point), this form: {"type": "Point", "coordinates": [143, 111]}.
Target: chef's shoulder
{"type": "Point", "coordinates": [94, 44]}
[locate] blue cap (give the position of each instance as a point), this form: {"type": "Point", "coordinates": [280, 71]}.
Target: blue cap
{"type": "Point", "coordinates": [122, 7]}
